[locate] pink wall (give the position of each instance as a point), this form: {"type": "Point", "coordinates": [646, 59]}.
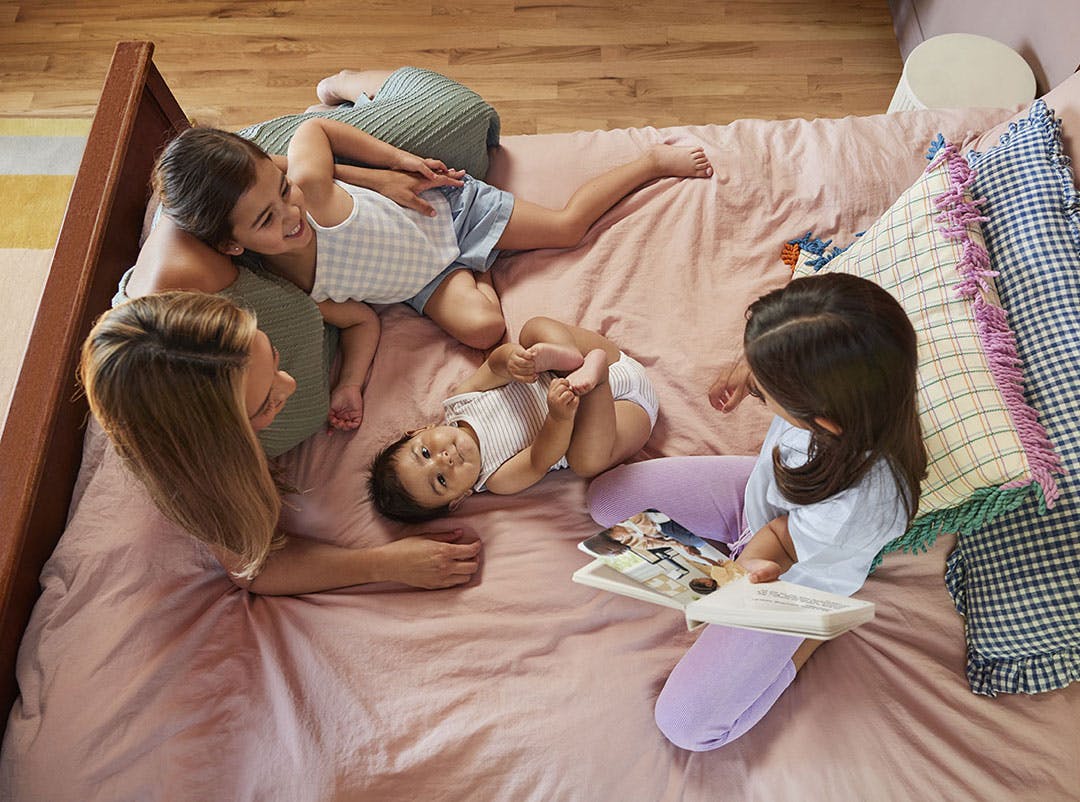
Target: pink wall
{"type": "Point", "coordinates": [1045, 32]}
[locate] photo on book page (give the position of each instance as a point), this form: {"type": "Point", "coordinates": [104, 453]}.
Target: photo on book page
{"type": "Point", "coordinates": [659, 553]}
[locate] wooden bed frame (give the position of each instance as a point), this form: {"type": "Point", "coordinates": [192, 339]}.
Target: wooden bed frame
{"type": "Point", "coordinates": [41, 444]}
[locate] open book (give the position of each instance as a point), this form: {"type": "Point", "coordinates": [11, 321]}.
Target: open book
{"type": "Point", "coordinates": [653, 558]}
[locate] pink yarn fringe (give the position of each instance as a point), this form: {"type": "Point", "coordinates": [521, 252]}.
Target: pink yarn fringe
{"type": "Point", "coordinates": [956, 214]}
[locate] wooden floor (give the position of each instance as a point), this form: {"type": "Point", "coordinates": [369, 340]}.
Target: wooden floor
{"type": "Point", "coordinates": [546, 65]}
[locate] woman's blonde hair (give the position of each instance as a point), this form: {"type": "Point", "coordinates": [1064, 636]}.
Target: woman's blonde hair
{"type": "Point", "coordinates": [164, 374]}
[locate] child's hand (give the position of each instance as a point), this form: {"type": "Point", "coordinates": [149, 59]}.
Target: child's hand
{"type": "Point", "coordinates": [521, 365]}
{"type": "Point", "coordinates": [728, 391]}
{"type": "Point", "coordinates": [562, 402]}
{"type": "Point", "coordinates": [761, 570]}
{"type": "Point", "coordinates": [428, 168]}
{"type": "Point", "coordinates": [404, 188]}
{"type": "Point", "coordinates": [346, 407]}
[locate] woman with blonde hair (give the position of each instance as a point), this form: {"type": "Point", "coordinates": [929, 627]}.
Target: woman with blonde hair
{"type": "Point", "coordinates": [181, 383]}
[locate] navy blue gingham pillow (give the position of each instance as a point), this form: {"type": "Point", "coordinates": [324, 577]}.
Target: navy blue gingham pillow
{"type": "Point", "coordinates": [1017, 580]}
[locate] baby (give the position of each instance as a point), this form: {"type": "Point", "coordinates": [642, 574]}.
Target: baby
{"type": "Point", "coordinates": [564, 397]}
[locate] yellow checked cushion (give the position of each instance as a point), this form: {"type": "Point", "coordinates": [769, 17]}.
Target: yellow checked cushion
{"type": "Point", "coordinates": [970, 400]}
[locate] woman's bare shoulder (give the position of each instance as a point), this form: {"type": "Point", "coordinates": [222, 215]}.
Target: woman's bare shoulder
{"type": "Point", "coordinates": [172, 259]}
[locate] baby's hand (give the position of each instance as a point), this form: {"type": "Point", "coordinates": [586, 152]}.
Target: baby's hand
{"type": "Point", "coordinates": [562, 402]}
{"type": "Point", "coordinates": [346, 407]}
{"type": "Point", "coordinates": [521, 365]}
{"type": "Point", "coordinates": [729, 389]}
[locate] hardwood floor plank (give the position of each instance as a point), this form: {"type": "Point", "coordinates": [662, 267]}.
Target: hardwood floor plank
{"type": "Point", "coordinates": [547, 65]}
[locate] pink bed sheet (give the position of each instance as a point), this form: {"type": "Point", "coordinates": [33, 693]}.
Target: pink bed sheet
{"type": "Point", "coordinates": [146, 675]}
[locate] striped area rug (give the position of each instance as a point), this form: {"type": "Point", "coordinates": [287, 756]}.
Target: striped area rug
{"type": "Point", "coordinates": [38, 161]}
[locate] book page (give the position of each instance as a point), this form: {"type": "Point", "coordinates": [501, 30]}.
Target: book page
{"type": "Point", "coordinates": [663, 556]}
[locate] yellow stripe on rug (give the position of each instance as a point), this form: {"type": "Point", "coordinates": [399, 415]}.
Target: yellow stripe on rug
{"type": "Point", "coordinates": [38, 161]}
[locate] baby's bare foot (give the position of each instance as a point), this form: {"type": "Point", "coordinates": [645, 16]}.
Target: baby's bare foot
{"type": "Point", "coordinates": [341, 87]}
{"type": "Point", "coordinates": [682, 161]}
{"type": "Point", "coordinates": [594, 371]}
{"type": "Point", "coordinates": [551, 356]}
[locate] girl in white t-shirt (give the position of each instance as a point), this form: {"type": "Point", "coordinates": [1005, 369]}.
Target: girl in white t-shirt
{"type": "Point", "coordinates": [834, 357]}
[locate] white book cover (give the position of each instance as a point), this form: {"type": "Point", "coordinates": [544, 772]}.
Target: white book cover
{"type": "Point", "coordinates": [652, 558]}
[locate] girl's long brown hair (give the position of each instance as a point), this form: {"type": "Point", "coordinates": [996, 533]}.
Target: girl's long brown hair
{"type": "Point", "coordinates": [840, 347]}
{"type": "Point", "coordinates": [164, 375]}
{"type": "Point", "coordinates": [201, 175]}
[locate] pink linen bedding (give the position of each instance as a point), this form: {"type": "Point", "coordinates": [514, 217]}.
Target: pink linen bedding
{"type": "Point", "coordinates": [145, 674]}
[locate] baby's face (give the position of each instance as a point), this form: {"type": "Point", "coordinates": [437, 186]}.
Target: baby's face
{"type": "Point", "coordinates": [439, 465]}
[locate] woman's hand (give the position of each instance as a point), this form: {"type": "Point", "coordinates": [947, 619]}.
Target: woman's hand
{"type": "Point", "coordinates": [729, 389]}
{"type": "Point", "coordinates": [431, 560]}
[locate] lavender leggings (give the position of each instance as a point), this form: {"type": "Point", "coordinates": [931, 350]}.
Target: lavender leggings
{"type": "Point", "coordinates": [729, 678]}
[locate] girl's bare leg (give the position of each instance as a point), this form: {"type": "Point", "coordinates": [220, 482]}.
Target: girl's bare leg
{"type": "Point", "coordinates": [606, 432]}
{"type": "Point", "coordinates": [533, 226]}
{"type": "Point", "coordinates": [467, 308]}
{"type": "Point", "coordinates": [346, 86]}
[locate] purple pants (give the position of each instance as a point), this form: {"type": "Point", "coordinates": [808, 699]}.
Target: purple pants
{"type": "Point", "coordinates": [727, 681]}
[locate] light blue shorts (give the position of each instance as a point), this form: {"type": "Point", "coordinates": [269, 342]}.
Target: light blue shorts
{"type": "Point", "coordinates": [480, 212]}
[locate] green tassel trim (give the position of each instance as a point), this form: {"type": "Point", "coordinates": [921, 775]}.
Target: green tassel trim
{"type": "Point", "coordinates": [981, 507]}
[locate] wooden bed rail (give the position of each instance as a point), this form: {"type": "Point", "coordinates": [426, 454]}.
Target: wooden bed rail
{"type": "Point", "coordinates": [41, 444]}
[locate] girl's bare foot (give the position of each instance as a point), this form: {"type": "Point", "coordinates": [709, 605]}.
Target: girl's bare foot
{"type": "Point", "coordinates": [333, 90]}
{"type": "Point", "coordinates": [684, 161]}
{"type": "Point", "coordinates": [347, 85]}
{"type": "Point", "coordinates": [593, 371]}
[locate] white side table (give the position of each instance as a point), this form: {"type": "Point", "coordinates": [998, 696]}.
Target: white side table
{"type": "Point", "coordinates": [958, 70]}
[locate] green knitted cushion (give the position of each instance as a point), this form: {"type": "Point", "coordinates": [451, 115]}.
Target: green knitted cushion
{"type": "Point", "coordinates": [416, 110]}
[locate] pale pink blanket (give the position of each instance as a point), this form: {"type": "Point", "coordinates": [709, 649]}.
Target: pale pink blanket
{"type": "Point", "coordinates": [146, 675]}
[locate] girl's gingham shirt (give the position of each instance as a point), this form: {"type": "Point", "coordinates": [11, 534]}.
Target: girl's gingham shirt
{"type": "Point", "coordinates": [382, 253]}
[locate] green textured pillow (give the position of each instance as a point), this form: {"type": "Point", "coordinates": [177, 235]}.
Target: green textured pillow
{"type": "Point", "coordinates": [987, 450]}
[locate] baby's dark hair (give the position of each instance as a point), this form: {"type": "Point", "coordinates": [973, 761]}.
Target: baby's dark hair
{"type": "Point", "coordinates": [387, 493]}
{"type": "Point", "coordinates": [840, 348]}
{"type": "Point", "coordinates": [201, 175]}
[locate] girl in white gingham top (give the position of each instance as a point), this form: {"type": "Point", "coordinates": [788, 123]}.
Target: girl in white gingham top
{"type": "Point", "coordinates": [227, 192]}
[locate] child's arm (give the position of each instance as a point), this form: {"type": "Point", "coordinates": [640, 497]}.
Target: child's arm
{"type": "Point", "coordinates": [402, 188]}
{"type": "Point", "coordinates": [318, 140]}
{"type": "Point", "coordinates": [360, 328]}
{"type": "Point", "coordinates": [730, 388]}
{"type": "Point", "coordinates": [770, 551]}
{"type": "Point", "coordinates": [530, 465]}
